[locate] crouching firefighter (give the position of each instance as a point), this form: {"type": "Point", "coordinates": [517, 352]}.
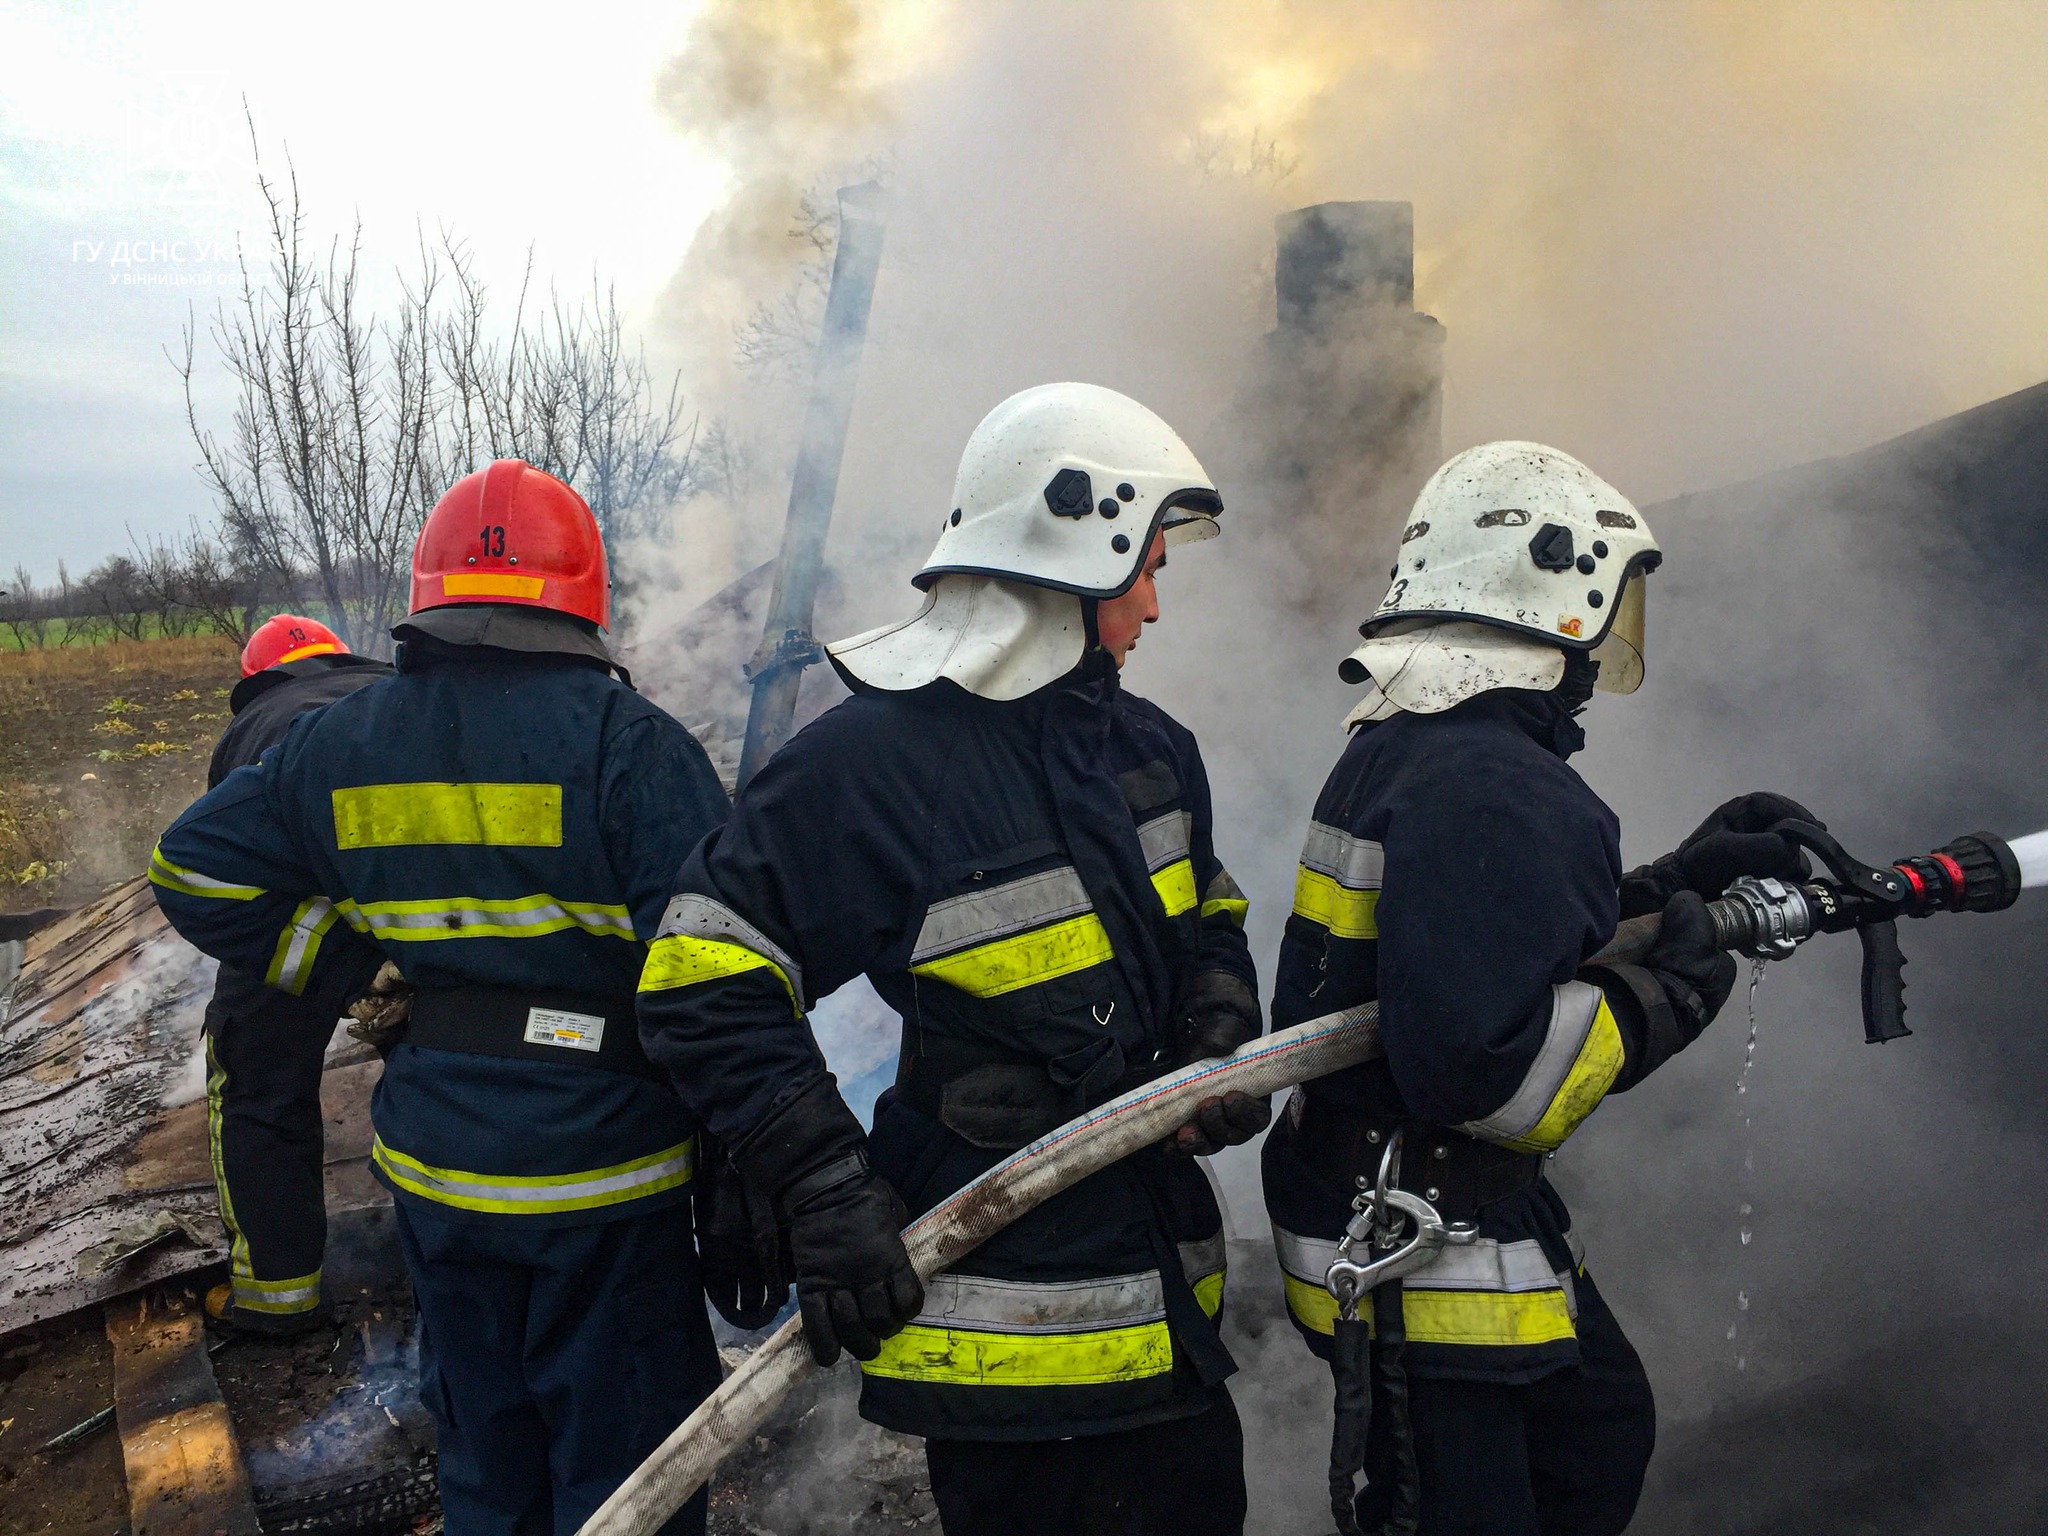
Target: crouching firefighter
{"type": "Point", "coordinates": [1459, 872]}
{"type": "Point", "coordinates": [493, 832]}
{"type": "Point", "coordinates": [1018, 854]}
{"type": "Point", "coordinates": [265, 1047]}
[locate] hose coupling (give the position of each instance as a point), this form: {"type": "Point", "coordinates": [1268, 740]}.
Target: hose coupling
{"type": "Point", "coordinates": [1762, 917]}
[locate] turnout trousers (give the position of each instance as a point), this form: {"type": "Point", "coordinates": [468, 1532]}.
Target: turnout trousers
{"type": "Point", "coordinates": [264, 1050]}
{"type": "Point", "coordinates": [1183, 1477]}
{"type": "Point", "coordinates": [554, 1359]}
{"type": "Point", "coordinates": [1561, 1456]}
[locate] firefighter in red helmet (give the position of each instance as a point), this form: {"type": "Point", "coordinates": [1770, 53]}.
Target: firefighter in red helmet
{"type": "Point", "coordinates": [492, 835]}
{"type": "Point", "coordinates": [264, 1048]}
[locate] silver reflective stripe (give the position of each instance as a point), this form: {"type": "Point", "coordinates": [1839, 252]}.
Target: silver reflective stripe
{"type": "Point", "coordinates": [1205, 1256]}
{"type": "Point", "coordinates": [1487, 1265]}
{"type": "Point", "coordinates": [1305, 1258]}
{"type": "Point", "coordinates": [1353, 862]}
{"type": "Point", "coordinates": [1042, 1306]}
{"type": "Point", "coordinates": [292, 968]}
{"type": "Point", "coordinates": [1166, 839]}
{"type": "Point", "coordinates": [440, 1184]}
{"type": "Point", "coordinates": [960, 922]}
{"type": "Point", "coordinates": [702, 918]}
{"type": "Point", "coordinates": [453, 916]}
{"type": "Point", "coordinates": [277, 1295]}
{"type": "Point", "coordinates": [1572, 1011]}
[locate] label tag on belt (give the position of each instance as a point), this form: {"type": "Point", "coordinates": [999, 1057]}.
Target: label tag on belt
{"type": "Point", "coordinates": [576, 1031]}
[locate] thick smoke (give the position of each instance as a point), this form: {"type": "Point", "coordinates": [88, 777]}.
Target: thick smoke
{"type": "Point", "coordinates": [1687, 243]}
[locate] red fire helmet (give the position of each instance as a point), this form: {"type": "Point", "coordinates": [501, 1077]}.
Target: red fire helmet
{"type": "Point", "coordinates": [288, 637]}
{"type": "Point", "coordinates": [512, 534]}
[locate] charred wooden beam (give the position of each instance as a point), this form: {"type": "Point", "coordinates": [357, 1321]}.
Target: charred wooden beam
{"type": "Point", "coordinates": [185, 1471]}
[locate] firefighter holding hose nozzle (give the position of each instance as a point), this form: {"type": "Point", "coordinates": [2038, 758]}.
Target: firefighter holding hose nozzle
{"type": "Point", "coordinates": [1018, 854]}
{"type": "Point", "coordinates": [1459, 871]}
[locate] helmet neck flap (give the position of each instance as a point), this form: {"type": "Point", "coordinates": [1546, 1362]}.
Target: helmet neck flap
{"type": "Point", "coordinates": [1060, 491]}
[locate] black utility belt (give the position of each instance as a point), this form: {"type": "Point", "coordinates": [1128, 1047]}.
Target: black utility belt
{"type": "Point", "coordinates": [1457, 1173]}
{"type": "Point", "coordinates": [524, 1024]}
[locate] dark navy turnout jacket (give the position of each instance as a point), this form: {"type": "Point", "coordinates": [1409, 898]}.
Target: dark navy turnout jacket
{"type": "Point", "coordinates": [486, 819]}
{"type": "Point", "coordinates": [1459, 871]}
{"type": "Point", "coordinates": [1030, 885]}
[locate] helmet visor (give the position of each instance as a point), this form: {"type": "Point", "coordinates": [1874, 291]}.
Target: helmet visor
{"type": "Point", "coordinates": [1620, 654]}
{"type": "Point", "coordinates": [1190, 516]}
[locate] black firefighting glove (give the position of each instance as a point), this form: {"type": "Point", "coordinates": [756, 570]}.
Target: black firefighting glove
{"type": "Point", "coordinates": [1675, 991]}
{"type": "Point", "coordinates": [854, 1282]}
{"type": "Point", "coordinates": [1217, 1014]}
{"type": "Point", "coordinates": [739, 1251]}
{"type": "Point", "coordinates": [1735, 840]}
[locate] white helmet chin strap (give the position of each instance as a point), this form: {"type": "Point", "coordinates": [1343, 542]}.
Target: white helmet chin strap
{"type": "Point", "coordinates": [997, 639]}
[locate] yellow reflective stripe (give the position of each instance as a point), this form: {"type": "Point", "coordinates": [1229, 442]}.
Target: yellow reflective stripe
{"type": "Point", "coordinates": [1176, 886]}
{"type": "Point", "coordinates": [683, 960]}
{"type": "Point", "coordinates": [298, 946]}
{"type": "Point", "coordinates": [1493, 1318]}
{"type": "Point", "coordinates": [314, 648]}
{"type": "Point", "coordinates": [540, 1194]}
{"type": "Point", "coordinates": [216, 1081]}
{"type": "Point", "coordinates": [1209, 1292]}
{"type": "Point", "coordinates": [1025, 959]}
{"type": "Point", "coordinates": [189, 882]}
{"type": "Point", "coordinates": [1232, 907]}
{"type": "Point", "coordinates": [412, 815]}
{"type": "Point", "coordinates": [971, 1358]}
{"type": "Point", "coordinates": [279, 1298]}
{"type": "Point", "coordinates": [492, 584]}
{"type": "Point", "coordinates": [1592, 1073]}
{"type": "Point", "coordinates": [1348, 914]}
{"type": "Point", "coordinates": [1487, 1318]}
{"type": "Point", "coordinates": [1312, 1306]}
{"type": "Point", "coordinates": [477, 917]}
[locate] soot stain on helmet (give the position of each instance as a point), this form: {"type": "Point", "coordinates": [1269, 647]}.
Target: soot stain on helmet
{"type": "Point", "coordinates": [1502, 517]}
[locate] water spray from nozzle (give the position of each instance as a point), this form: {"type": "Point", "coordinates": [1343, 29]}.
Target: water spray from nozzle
{"type": "Point", "coordinates": [2031, 855]}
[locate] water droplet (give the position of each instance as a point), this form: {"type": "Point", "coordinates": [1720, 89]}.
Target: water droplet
{"type": "Point", "coordinates": [1745, 1208]}
{"type": "Point", "coordinates": [1742, 1362]}
{"type": "Point", "coordinates": [1742, 1301]}
{"type": "Point", "coordinates": [1745, 1237]}
{"type": "Point", "coordinates": [1731, 1331]}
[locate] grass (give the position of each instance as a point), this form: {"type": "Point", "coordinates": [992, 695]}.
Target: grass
{"type": "Point", "coordinates": [74, 634]}
{"type": "Point", "coordinates": [100, 747]}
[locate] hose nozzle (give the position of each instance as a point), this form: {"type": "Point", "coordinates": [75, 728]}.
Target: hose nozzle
{"type": "Point", "coordinates": [1975, 873]}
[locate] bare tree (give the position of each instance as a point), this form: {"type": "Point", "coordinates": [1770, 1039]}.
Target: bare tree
{"type": "Point", "coordinates": [776, 338]}
{"type": "Point", "coordinates": [116, 602]}
{"type": "Point", "coordinates": [25, 611]}
{"type": "Point", "coordinates": [567, 394]}
{"type": "Point", "coordinates": [347, 426]}
{"type": "Point", "coordinates": [226, 591]}
{"type": "Point", "coordinates": [318, 474]}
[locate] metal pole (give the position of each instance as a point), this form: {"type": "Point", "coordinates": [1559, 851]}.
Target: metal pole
{"type": "Point", "coordinates": [787, 645]}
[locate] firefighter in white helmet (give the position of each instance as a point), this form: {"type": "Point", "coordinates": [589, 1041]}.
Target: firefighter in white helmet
{"type": "Point", "coordinates": [1017, 852]}
{"type": "Point", "coordinates": [1460, 873]}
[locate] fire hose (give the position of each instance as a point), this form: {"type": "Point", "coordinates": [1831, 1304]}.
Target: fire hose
{"type": "Point", "coordinates": [1977, 873]}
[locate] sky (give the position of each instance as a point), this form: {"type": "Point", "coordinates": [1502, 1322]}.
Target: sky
{"type": "Point", "coordinates": [122, 131]}
{"type": "Point", "coordinates": [1689, 242]}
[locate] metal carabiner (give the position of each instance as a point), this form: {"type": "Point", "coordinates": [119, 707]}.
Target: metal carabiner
{"type": "Point", "coordinates": [1381, 1214]}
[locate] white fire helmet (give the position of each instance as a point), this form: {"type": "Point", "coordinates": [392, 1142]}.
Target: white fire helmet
{"type": "Point", "coordinates": [1059, 492]}
{"type": "Point", "coordinates": [1515, 553]}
